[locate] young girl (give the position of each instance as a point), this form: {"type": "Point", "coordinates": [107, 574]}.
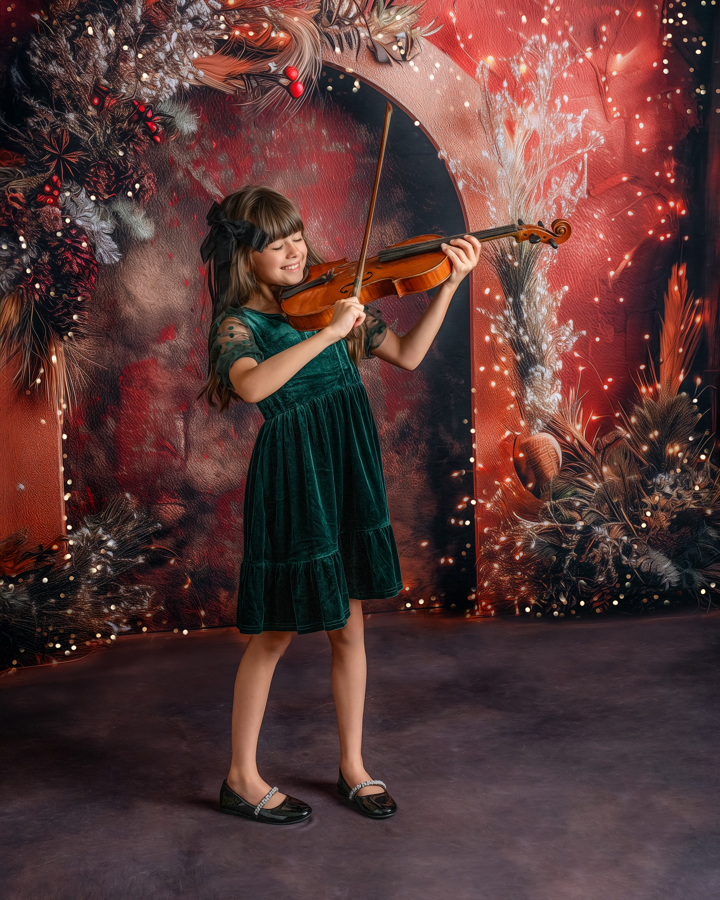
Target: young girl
{"type": "Point", "coordinates": [318, 539]}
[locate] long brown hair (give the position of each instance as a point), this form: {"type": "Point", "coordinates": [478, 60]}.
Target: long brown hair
{"type": "Point", "coordinates": [278, 217]}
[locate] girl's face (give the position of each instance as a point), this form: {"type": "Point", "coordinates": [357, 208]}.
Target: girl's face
{"type": "Point", "coordinates": [282, 262]}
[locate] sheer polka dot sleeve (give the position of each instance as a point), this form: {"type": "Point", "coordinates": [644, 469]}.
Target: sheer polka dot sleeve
{"type": "Point", "coordinates": [376, 329]}
{"type": "Point", "coordinates": [231, 340]}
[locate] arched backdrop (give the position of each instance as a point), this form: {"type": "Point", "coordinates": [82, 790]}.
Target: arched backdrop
{"type": "Point", "coordinates": [141, 425]}
{"type": "Point", "coordinates": [613, 101]}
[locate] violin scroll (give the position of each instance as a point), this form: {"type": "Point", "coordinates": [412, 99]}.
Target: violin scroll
{"type": "Point", "coordinates": [559, 232]}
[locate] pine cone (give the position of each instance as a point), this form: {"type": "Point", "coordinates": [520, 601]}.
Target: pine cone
{"type": "Point", "coordinates": [148, 185]}
{"type": "Point", "coordinates": [50, 218]}
{"type": "Point", "coordinates": [104, 180]}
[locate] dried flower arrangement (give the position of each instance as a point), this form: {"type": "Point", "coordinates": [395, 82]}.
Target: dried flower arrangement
{"type": "Point", "coordinates": [91, 93]}
{"type": "Point", "coordinates": [67, 598]}
{"type": "Point", "coordinates": [539, 152]}
{"type": "Point", "coordinates": [631, 521]}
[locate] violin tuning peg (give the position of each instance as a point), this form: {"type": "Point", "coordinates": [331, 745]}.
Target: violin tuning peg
{"type": "Point", "coordinates": [553, 244]}
{"type": "Point", "coordinates": [534, 238]}
{"type": "Point", "coordinates": [521, 223]}
{"type": "Point", "coordinates": [540, 224]}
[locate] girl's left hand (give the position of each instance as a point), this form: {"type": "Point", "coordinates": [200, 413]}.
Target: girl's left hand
{"type": "Point", "coordinates": [464, 254]}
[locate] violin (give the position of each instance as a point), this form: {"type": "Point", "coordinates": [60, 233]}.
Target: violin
{"type": "Point", "coordinates": [417, 264]}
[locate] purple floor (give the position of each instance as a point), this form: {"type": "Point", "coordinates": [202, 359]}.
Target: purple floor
{"type": "Point", "coordinates": [529, 760]}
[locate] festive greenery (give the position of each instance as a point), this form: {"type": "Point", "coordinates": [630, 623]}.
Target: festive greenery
{"type": "Point", "coordinates": [632, 520]}
{"type": "Point", "coordinates": [87, 98]}
{"type": "Point", "coordinates": [62, 600]}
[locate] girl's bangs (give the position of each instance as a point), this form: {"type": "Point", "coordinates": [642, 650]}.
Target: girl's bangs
{"type": "Point", "coordinates": [277, 219]}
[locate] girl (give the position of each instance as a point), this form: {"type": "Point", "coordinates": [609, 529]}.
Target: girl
{"type": "Point", "coordinates": [317, 534]}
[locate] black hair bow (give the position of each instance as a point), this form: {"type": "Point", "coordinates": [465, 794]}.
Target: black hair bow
{"type": "Point", "coordinates": [219, 247]}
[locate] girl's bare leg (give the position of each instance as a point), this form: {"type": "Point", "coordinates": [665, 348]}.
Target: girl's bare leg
{"type": "Point", "coordinates": [252, 686]}
{"type": "Point", "coordinates": [349, 675]}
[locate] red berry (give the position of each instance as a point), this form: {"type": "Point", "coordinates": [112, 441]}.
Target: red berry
{"type": "Point", "coordinates": [292, 73]}
{"type": "Point", "coordinates": [47, 188]}
{"type": "Point", "coordinates": [95, 101]}
{"type": "Point", "coordinates": [296, 88]}
{"type": "Point", "coordinates": [149, 112]}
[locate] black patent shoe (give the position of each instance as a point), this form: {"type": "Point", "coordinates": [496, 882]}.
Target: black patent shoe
{"type": "Point", "coordinates": [289, 811]}
{"type": "Point", "coordinates": [374, 806]}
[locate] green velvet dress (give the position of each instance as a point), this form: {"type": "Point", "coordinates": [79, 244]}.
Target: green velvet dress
{"type": "Point", "coordinates": [316, 525]}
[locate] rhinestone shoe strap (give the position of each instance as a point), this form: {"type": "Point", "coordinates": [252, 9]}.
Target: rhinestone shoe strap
{"type": "Point", "coordinates": [365, 784]}
{"type": "Point", "coordinates": [265, 800]}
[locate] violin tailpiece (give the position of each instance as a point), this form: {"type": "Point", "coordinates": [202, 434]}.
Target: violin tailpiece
{"type": "Point", "coordinates": [305, 285]}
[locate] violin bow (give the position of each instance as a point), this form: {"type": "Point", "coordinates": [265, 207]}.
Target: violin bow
{"type": "Point", "coordinates": [357, 286]}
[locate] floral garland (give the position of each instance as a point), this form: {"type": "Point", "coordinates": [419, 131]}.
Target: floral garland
{"type": "Point", "coordinates": [88, 97]}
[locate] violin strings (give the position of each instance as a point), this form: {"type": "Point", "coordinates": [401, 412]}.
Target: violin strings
{"type": "Point", "coordinates": [406, 250]}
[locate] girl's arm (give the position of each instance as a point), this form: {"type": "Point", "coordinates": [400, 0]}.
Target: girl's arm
{"type": "Point", "coordinates": [255, 381]}
{"type": "Point", "coordinates": [408, 351]}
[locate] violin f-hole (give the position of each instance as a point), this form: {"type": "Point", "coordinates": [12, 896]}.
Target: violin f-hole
{"type": "Point", "coordinates": [347, 289]}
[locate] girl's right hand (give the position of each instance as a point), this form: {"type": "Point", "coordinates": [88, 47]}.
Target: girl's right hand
{"type": "Point", "coordinates": [347, 314]}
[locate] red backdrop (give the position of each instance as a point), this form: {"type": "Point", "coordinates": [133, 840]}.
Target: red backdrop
{"type": "Point", "coordinates": [639, 95]}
